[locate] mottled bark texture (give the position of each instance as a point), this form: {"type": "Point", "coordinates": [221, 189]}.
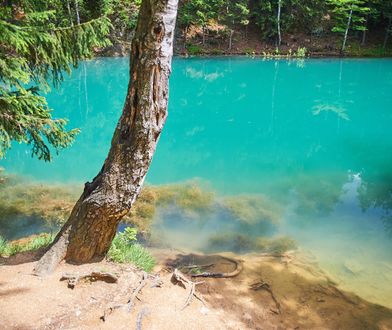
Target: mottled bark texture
{"type": "Point", "coordinates": [89, 231]}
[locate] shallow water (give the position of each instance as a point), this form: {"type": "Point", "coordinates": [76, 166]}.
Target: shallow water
{"type": "Point", "coordinates": [295, 148]}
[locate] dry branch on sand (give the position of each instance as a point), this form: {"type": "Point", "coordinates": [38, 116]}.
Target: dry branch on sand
{"type": "Point", "coordinates": [180, 278]}
{"type": "Point", "coordinates": [73, 279]}
{"type": "Point", "coordinates": [234, 273]}
{"type": "Point", "coordinates": [131, 300]}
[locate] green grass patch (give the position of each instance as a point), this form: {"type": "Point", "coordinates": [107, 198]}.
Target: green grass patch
{"type": "Point", "coordinates": [355, 49]}
{"type": "Point", "coordinates": [194, 49]}
{"type": "Point", "coordinates": [33, 243]}
{"type": "Point", "coordinates": [124, 249]}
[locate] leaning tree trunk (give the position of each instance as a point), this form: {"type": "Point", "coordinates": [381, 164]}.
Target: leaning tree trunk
{"type": "Point", "coordinates": [92, 225]}
{"type": "Point", "coordinates": [346, 32]}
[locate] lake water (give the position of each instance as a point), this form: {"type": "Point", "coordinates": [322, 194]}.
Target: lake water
{"type": "Point", "coordinates": [310, 139]}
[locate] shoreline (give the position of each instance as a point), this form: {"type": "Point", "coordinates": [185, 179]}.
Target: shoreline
{"type": "Point", "coordinates": [256, 56]}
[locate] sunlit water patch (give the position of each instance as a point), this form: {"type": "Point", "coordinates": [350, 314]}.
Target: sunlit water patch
{"type": "Point", "coordinates": [256, 156]}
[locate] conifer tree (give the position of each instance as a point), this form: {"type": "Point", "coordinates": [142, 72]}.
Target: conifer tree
{"type": "Point", "coordinates": [36, 49]}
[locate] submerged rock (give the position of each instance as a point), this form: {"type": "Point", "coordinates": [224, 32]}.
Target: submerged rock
{"type": "Point", "coordinates": [353, 266]}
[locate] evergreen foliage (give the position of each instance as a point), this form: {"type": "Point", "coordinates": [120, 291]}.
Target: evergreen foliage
{"type": "Point", "coordinates": [36, 51]}
{"type": "Point", "coordinates": [341, 10]}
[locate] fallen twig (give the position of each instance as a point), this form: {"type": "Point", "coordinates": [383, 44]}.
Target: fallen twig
{"type": "Point", "coordinates": [190, 296]}
{"type": "Point", "coordinates": [135, 292]}
{"type": "Point", "coordinates": [110, 310]}
{"type": "Point", "coordinates": [235, 272]}
{"type": "Point", "coordinates": [73, 279]}
{"type": "Point", "coordinates": [181, 278]}
{"type": "Point", "coordinates": [197, 266]}
{"type": "Point", "coordinates": [131, 300]}
{"type": "Point", "coordinates": [265, 286]}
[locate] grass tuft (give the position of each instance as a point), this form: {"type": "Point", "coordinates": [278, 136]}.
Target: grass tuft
{"type": "Point", "coordinates": [124, 249]}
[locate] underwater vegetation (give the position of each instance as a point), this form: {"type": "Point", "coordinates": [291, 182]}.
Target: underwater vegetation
{"type": "Point", "coordinates": [244, 243]}
{"type": "Point", "coordinates": [189, 197]}
{"type": "Point", "coordinates": [317, 194]}
{"type": "Point", "coordinates": [51, 202]}
{"type": "Point", "coordinates": [54, 202]}
{"type": "Point", "coordinates": [253, 210]}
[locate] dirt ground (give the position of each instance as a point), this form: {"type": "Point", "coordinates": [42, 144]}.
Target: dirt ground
{"type": "Point", "coordinates": [271, 292]}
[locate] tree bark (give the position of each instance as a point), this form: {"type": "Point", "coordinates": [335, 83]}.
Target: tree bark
{"type": "Point", "coordinates": [92, 225]}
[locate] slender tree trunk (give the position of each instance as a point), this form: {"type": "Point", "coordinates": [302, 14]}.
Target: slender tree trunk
{"type": "Point", "coordinates": [93, 222]}
{"type": "Point", "coordinates": [387, 32]}
{"type": "Point", "coordinates": [346, 32]}
{"type": "Point", "coordinates": [204, 35]}
{"type": "Point", "coordinates": [77, 12]}
{"type": "Point", "coordinates": [231, 39]}
{"type": "Point", "coordinates": [364, 32]}
{"type": "Point", "coordinates": [69, 12]}
{"type": "Point", "coordinates": [278, 20]}
{"type": "Point", "coordinates": [363, 41]}
{"type": "Point", "coordinates": [185, 37]}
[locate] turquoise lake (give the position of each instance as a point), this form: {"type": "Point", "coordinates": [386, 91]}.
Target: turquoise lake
{"type": "Point", "coordinates": [313, 137]}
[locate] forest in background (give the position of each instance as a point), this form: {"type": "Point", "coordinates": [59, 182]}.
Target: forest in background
{"type": "Point", "coordinates": [265, 27]}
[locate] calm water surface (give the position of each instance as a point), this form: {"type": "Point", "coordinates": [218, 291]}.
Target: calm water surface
{"type": "Point", "coordinates": [313, 136]}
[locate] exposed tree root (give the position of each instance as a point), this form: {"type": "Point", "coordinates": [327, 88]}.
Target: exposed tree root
{"type": "Point", "coordinates": [180, 278]}
{"type": "Point", "coordinates": [73, 279]}
{"type": "Point", "coordinates": [140, 316]}
{"type": "Point", "coordinates": [238, 269]}
{"type": "Point", "coordinates": [265, 286]}
{"type": "Point", "coordinates": [54, 254]}
{"type": "Point", "coordinates": [131, 300]}
{"type": "Point", "coordinates": [135, 292]}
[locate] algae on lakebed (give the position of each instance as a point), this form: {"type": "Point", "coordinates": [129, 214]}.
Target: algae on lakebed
{"type": "Point", "coordinates": [187, 207]}
{"type": "Point", "coordinates": [22, 197]}
{"type": "Point", "coordinates": [253, 209]}
{"type": "Point", "coordinates": [241, 243]}
{"type": "Point", "coordinates": [53, 203]}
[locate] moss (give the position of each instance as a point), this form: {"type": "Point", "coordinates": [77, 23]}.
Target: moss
{"type": "Point", "coordinates": [231, 242]}
{"type": "Point", "coordinates": [275, 245]}
{"type": "Point", "coordinates": [245, 243]}
{"type": "Point", "coordinates": [143, 210]}
{"type": "Point", "coordinates": [253, 209]}
{"type": "Point", "coordinates": [316, 195]}
{"type": "Point", "coordinates": [189, 197]}
{"type": "Point", "coordinates": [53, 203]}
